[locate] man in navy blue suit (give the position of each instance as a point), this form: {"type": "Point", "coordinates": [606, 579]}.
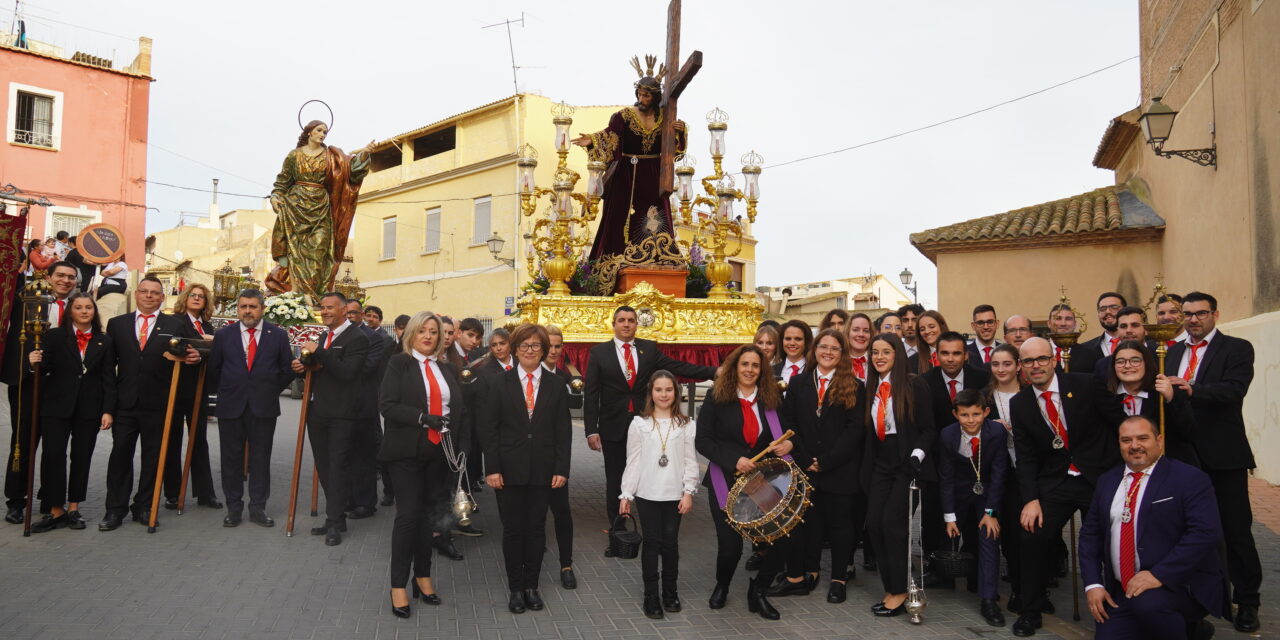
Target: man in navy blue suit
{"type": "Point", "coordinates": [249, 365]}
{"type": "Point", "coordinates": [1149, 544]}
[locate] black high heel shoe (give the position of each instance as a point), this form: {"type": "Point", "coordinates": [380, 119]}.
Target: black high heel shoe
{"type": "Point", "coordinates": [399, 612]}
{"type": "Point", "coordinates": [427, 598]}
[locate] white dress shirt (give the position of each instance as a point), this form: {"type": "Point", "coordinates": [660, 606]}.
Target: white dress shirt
{"type": "Point", "coordinates": [1062, 415]}
{"type": "Point", "coordinates": [54, 315]}
{"type": "Point", "coordinates": [622, 356]}
{"type": "Point", "coordinates": [137, 322]}
{"type": "Point", "coordinates": [244, 336]}
{"type": "Point", "coordinates": [524, 380]}
{"type": "Point", "coordinates": [986, 357]}
{"type": "Point", "coordinates": [643, 476]}
{"type": "Point", "coordinates": [787, 370]}
{"type": "Point", "coordinates": [336, 332]}
{"type": "Point", "coordinates": [1138, 398]}
{"type": "Point", "coordinates": [1117, 511]}
{"type": "Point", "coordinates": [946, 381]}
{"type": "Point", "coordinates": [440, 381]}
{"type": "Point", "coordinates": [1186, 355]}
{"type": "Point", "coordinates": [507, 366]}
{"type": "Point", "coordinates": [752, 399]}
{"type": "Point", "coordinates": [1105, 343]}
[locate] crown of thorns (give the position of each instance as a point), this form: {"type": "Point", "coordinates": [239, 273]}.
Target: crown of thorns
{"type": "Point", "coordinates": [648, 80]}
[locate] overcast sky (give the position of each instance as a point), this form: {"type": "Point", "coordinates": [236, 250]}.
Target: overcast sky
{"type": "Point", "coordinates": [797, 78]}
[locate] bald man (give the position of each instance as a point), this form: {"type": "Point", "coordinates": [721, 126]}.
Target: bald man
{"type": "Point", "coordinates": [1063, 445]}
{"type": "Point", "coordinates": [1017, 328]}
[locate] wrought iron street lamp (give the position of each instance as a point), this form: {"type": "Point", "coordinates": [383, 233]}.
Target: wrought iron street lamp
{"type": "Point", "coordinates": [1157, 124]}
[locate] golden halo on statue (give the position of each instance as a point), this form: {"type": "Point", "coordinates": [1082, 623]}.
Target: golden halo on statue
{"type": "Point", "coordinates": [328, 125]}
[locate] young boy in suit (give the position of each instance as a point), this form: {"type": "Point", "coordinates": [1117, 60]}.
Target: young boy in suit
{"type": "Point", "coordinates": [973, 461]}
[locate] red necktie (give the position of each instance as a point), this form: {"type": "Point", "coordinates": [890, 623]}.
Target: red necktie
{"type": "Point", "coordinates": [1131, 404]}
{"type": "Point", "coordinates": [822, 390]}
{"type": "Point", "coordinates": [1056, 422]}
{"type": "Point", "coordinates": [328, 340]}
{"type": "Point", "coordinates": [986, 354]}
{"type": "Point", "coordinates": [528, 393]}
{"type": "Point", "coordinates": [506, 367]}
{"type": "Point", "coordinates": [251, 351]}
{"type": "Point", "coordinates": [82, 340]}
{"type": "Point", "coordinates": [795, 370]}
{"type": "Point", "coordinates": [1114, 342]}
{"type": "Point", "coordinates": [199, 329]}
{"type": "Point", "coordinates": [1190, 375]}
{"type": "Point", "coordinates": [973, 447]}
{"type": "Point", "coordinates": [631, 373]}
{"type": "Point", "coordinates": [951, 388]}
{"type": "Point", "coordinates": [62, 308]}
{"type": "Point", "coordinates": [1128, 551]}
{"type": "Point", "coordinates": [860, 367]}
{"type": "Point", "coordinates": [142, 333]}
{"type": "Point", "coordinates": [882, 394]}
{"type": "Point", "coordinates": [750, 424]}
{"type": "Point", "coordinates": [933, 358]}
{"type": "Point", "coordinates": [1058, 354]}
{"type": "Point", "coordinates": [435, 404]}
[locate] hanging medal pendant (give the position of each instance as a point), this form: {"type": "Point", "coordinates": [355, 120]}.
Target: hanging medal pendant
{"type": "Point", "coordinates": [1126, 516]}
{"type": "Point", "coordinates": [818, 412]}
{"type": "Point", "coordinates": [662, 460]}
{"type": "Point", "coordinates": [1058, 443]}
{"type": "Point", "coordinates": [978, 489]}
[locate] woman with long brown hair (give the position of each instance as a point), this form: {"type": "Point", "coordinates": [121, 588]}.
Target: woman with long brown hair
{"type": "Point", "coordinates": [929, 327]}
{"type": "Point", "coordinates": [768, 340]}
{"type": "Point", "coordinates": [833, 318]}
{"type": "Point", "coordinates": [737, 421]}
{"type": "Point", "coordinates": [77, 400]}
{"type": "Point", "coordinates": [194, 307]}
{"type": "Point", "coordinates": [824, 407]}
{"type": "Point", "coordinates": [660, 479]}
{"type": "Point", "coordinates": [1006, 381]}
{"type": "Point", "coordinates": [859, 334]}
{"type": "Point", "coordinates": [899, 435]}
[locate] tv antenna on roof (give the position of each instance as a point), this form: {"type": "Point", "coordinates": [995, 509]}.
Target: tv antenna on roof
{"type": "Point", "coordinates": [510, 46]}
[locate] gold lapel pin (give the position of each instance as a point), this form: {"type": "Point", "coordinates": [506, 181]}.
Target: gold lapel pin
{"type": "Point", "coordinates": [1068, 394]}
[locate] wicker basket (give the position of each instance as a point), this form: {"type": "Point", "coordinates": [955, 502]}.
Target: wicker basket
{"type": "Point", "coordinates": [950, 564]}
{"type": "Point", "coordinates": [625, 544]}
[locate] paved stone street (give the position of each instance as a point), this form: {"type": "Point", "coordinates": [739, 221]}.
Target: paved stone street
{"type": "Point", "coordinates": [196, 579]}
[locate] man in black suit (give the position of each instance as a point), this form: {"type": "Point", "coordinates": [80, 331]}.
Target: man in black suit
{"type": "Point", "coordinates": [144, 368]}
{"type": "Point", "coordinates": [953, 374]}
{"type": "Point", "coordinates": [363, 469]}
{"type": "Point", "coordinates": [1216, 370]}
{"type": "Point", "coordinates": [1062, 445]}
{"type": "Point", "coordinates": [1087, 354]}
{"type": "Point", "coordinates": [62, 281]}
{"type": "Point", "coordinates": [984, 336]}
{"type": "Point", "coordinates": [76, 259]}
{"type": "Point", "coordinates": [336, 364]}
{"type": "Point", "coordinates": [249, 366]}
{"type": "Point", "coordinates": [617, 375]}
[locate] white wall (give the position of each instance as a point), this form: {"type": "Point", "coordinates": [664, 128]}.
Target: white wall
{"type": "Point", "coordinates": [1262, 404]}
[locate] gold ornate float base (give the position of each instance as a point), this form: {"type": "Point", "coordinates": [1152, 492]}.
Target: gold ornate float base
{"type": "Point", "coordinates": [665, 318]}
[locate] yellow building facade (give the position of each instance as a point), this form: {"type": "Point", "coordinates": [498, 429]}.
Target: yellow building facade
{"type": "Point", "coordinates": [436, 194]}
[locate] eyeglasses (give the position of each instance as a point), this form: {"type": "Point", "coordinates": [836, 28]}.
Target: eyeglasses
{"type": "Point", "coordinates": [530, 346]}
{"type": "Point", "coordinates": [1109, 307]}
{"type": "Point", "coordinates": [1042, 361]}
{"type": "Point", "coordinates": [1198, 315]}
{"type": "Point", "coordinates": [1128, 362]}
{"type": "Point", "coordinates": [197, 296]}
{"type": "Point", "coordinates": [1018, 330]}
{"type": "Point", "coordinates": [827, 347]}
{"type": "Point", "coordinates": [984, 323]}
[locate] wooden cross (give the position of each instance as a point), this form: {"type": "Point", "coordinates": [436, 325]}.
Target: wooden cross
{"type": "Point", "coordinates": [672, 87]}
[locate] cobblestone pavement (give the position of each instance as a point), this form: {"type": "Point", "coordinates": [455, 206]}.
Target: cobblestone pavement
{"type": "Point", "coordinates": [196, 579]}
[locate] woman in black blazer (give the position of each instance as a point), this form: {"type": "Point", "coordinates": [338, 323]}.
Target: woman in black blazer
{"type": "Point", "coordinates": [524, 427]}
{"type": "Point", "coordinates": [78, 398]}
{"type": "Point", "coordinates": [824, 407]}
{"type": "Point", "coordinates": [194, 309]}
{"type": "Point", "coordinates": [742, 391]}
{"type": "Point", "coordinates": [1138, 388]}
{"type": "Point", "coordinates": [420, 400]}
{"type": "Point", "coordinates": [899, 434]}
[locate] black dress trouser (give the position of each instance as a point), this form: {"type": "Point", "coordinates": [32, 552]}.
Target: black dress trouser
{"type": "Point", "coordinates": [201, 472]}
{"type": "Point", "coordinates": [562, 518]}
{"type": "Point", "coordinates": [131, 426]}
{"type": "Point", "coordinates": [729, 550]}
{"type": "Point", "coordinates": [1231, 488]}
{"type": "Point", "coordinates": [15, 480]}
{"type": "Point", "coordinates": [888, 515]}
{"type": "Point", "coordinates": [57, 487]}
{"type": "Point", "coordinates": [615, 462]}
{"type": "Point", "coordinates": [331, 444]}
{"type": "Point", "coordinates": [1038, 560]}
{"type": "Point", "coordinates": [523, 511]}
{"type": "Point", "coordinates": [232, 434]}
{"type": "Point", "coordinates": [419, 510]}
{"type": "Point", "coordinates": [829, 518]}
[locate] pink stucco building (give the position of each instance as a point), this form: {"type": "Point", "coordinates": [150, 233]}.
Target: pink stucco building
{"type": "Point", "coordinates": [76, 133]}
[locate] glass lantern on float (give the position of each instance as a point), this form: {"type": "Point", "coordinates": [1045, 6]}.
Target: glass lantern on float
{"type": "Point", "coordinates": [557, 238]}
{"type": "Point", "coordinates": [226, 281]}
{"type": "Point", "coordinates": [713, 231]}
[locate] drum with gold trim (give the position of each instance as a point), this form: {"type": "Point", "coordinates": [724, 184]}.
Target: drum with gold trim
{"type": "Point", "coordinates": [768, 503]}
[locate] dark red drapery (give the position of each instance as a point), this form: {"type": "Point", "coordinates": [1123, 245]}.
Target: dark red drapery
{"type": "Point", "coordinates": [705, 354]}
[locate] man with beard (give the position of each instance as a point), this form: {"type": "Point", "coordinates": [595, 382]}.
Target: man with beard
{"type": "Point", "coordinates": [909, 314]}
{"type": "Point", "coordinates": [984, 336]}
{"type": "Point", "coordinates": [634, 206]}
{"type": "Point", "coordinates": [1087, 354]}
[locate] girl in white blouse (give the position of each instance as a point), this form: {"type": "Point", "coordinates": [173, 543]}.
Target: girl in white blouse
{"type": "Point", "coordinates": [660, 480]}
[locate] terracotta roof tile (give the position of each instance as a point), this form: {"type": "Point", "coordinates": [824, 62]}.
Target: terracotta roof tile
{"type": "Point", "coordinates": [1097, 210]}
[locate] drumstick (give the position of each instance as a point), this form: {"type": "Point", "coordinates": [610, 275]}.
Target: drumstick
{"type": "Point", "coordinates": [785, 436]}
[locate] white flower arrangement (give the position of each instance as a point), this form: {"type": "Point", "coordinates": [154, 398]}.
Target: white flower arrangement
{"type": "Point", "coordinates": [288, 309]}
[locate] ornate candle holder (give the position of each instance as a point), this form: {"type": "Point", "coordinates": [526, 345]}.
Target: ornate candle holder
{"type": "Point", "coordinates": [1065, 341]}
